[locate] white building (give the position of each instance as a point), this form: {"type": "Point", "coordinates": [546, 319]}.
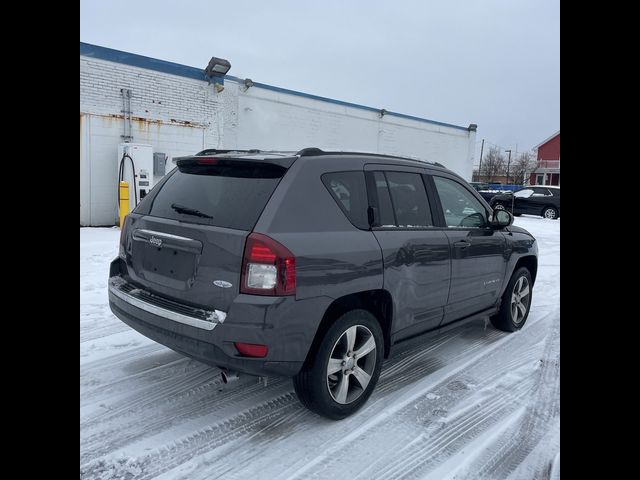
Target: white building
{"type": "Point", "coordinates": [175, 109]}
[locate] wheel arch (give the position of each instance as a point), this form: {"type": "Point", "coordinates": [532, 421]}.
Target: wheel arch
{"type": "Point", "coordinates": [377, 302]}
{"type": "Point", "coordinates": [531, 263]}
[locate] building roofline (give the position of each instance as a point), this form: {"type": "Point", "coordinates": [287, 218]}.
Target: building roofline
{"type": "Point", "coordinates": [149, 63]}
{"type": "Point", "coordinates": [550, 138]}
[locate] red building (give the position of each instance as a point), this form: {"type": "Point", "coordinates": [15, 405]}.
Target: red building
{"type": "Point", "coordinates": [547, 171]}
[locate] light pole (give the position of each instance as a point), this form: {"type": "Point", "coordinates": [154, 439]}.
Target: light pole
{"type": "Point", "coordinates": [508, 164]}
{"type": "Point", "coordinates": [480, 166]}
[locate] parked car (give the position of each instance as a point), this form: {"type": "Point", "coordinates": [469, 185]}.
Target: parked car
{"type": "Point", "coordinates": [315, 265]}
{"type": "Point", "coordinates": [479, 186]}
{"type": "Point", "coordinates": [487, 190]}
{"type": "Point", "coordinates": [542, 200]}
{"type": "Point", "coordinates": [489, 194]}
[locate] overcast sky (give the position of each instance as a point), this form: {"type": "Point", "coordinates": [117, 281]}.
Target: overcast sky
{"type": "Point", "coordinates": [491, 62]}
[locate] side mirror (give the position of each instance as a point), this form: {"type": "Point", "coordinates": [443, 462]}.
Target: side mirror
{"type": "Point", "coordinates": [501, 219]}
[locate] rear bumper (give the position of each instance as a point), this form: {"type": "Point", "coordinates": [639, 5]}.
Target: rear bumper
{"type": "Point", "coordinates": [285, 325]}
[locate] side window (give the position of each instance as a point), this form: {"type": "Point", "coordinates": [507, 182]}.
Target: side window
{"type": "Point", "coordinates": [349, 191]}
{"type": "Point", "coordinates": [524, 193]}
{"type": "Point", "coordinates": [386, 217]}
{"type": "Point", "coordinates": [461, 208]}
{"type": "Point", "coordinates": [541, 192]}
{"type": "Point", "coordinates": [409, 199]}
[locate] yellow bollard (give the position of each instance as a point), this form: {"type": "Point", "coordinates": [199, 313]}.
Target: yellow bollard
{"type": "Point", "coordinates": [124, 201]}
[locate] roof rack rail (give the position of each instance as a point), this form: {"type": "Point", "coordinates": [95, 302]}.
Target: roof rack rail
{"type": "Point", "coordinates": [214, 151]}
{"type": "Point", "coordinates": [314, 151]}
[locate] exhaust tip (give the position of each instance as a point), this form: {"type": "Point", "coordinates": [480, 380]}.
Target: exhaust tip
{"type": "Point", "coordinates": [228, 376]}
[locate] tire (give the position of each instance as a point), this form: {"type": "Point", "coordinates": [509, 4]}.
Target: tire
{"type": "Point", "coordinates": [517, 214]}
{"type": "Point", "coordinates": [499, 206]}
{"type": "Point", "coordinates": [504, 320]}
{"type": "Point", "coordinates": [322, 393]}
{"type": "Point", "coordinates": [550, 212]}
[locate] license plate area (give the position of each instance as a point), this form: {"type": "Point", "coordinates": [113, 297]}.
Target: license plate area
{"type": "Point", "coordinates": [173, 263]}
{"type": "Point", "coordinates": [169, 262]}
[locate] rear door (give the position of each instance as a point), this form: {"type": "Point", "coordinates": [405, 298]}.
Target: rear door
{"type": "Point", "coordinates": [541, 198]}
{"type": "Point", "coordinates": [415, 253]}
{"type": "Point", "coordinates": [186, 239]}
{"type": "Point", "coordinates": [478, 257]}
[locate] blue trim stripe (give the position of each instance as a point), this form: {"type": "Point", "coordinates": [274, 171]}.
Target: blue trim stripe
{"type": "Point", "coordinates": [118, 56]}
{"type": "Point", "coordinates": [340, 102]}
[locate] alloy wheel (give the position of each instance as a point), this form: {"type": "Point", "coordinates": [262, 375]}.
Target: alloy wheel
{"type": "Point", "coordinates": [520, 299]}
{"type": "Point", "coordinates": [351, 364]}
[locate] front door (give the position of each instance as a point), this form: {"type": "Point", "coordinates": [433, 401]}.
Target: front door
{"type": "Point", "coordinates": [416, 254]}
{"type": "Point", "coordinates": [478, 260]}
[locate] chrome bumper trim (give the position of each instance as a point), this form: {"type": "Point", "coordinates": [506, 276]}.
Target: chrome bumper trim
{"type": "Point", "coordinates": [213, 317]}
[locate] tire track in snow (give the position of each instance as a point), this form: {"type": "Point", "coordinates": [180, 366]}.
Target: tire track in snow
{"type": "Point", "coordinates": [383, 407]}
{"type": "Point", "coordinates": [413, 367]}
{"type": "Point", "coordinates": [428, 449]}
{"type": "Point", "coordinates": [97, 321]}
{"type": "Point", "coordinates": [473, 410]}
{"type": "Point", "coordinates": [257, 445]}
{"type": "Point", "coordinates": [407, 359]}
{"type": "Point", "coordinates": [146, 414]}
{"type": "Point", "coordinates": [543, 410]}
{"type": "Point", "coordinates": [177, 452]}
{"type": "Point", "coordinates": [98, 373]}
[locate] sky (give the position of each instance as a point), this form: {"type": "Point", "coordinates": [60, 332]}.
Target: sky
{"type": "Point", "coordinates": [495, 63]}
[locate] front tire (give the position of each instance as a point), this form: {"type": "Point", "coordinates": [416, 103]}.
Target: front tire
{"type": "Point", "coordinates": [516, 302]}
{"type": "Point", "coordinates": [341, 375]}
{"type": "Point", "coordinates": [498, 206]}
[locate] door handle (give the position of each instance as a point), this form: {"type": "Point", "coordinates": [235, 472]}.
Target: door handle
{"type": "Point", "coordinates": [462, 244]}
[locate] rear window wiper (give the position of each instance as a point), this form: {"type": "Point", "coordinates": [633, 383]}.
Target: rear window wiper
{"type": "Point", "coordinates": [189, 211]}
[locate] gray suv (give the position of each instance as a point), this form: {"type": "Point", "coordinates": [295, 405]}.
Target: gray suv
{"type": "Point", "coordinates": [315, 265]}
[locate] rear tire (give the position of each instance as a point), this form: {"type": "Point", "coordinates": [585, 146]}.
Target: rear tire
{"type": "Point", "coordinates": [550, 212]}
{"type": "Point", "coordinates": [516, 302]}
{"type": "Point", "coordinates": [339, 394]}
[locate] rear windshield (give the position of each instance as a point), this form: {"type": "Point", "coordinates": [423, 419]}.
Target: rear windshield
{"type": "Point", "coordinates": [230, 196]}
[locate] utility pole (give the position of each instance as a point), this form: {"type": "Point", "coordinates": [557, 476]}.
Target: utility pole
{"type": "Point", "coordinates": [515, 157]}
{"type": "Point", "coordinates": [480, 166]}
{"type": "Point", "coordinates": [508, 164]}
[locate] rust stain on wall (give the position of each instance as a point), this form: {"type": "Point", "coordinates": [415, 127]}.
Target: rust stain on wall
{"type": "Point", "coordinates": [144, 123]}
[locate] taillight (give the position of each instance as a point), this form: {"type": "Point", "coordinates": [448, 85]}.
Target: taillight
{"type": "Point", "coordinates": [268, 267]}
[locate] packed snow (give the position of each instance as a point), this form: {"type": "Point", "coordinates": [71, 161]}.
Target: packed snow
{"type": "Point", "coordinates": [472, 403]}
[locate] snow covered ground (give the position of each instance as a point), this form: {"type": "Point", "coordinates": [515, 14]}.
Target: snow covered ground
{"type": "Point", "coordinates": [474, 403]}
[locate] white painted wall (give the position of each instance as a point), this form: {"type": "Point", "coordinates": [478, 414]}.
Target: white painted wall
{"type": "Point", "coordinates": [180, 116]}
{"type": "Point", "coordinates": [274, 120]}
